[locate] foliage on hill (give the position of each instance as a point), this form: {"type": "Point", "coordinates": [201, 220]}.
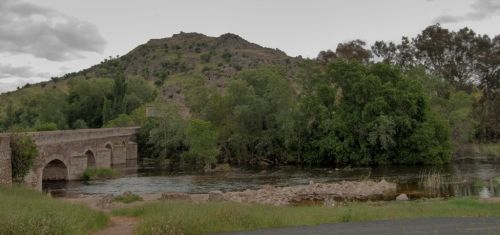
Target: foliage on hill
{"type": "Point", "coordinates": [227, 100]}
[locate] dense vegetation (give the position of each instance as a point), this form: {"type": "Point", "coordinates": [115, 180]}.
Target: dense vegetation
{"type": "Point", "coordinates": [209, 218]}
{"type": "Point", "coordinates": [23, 156]}
{"type": "Point", "coordinates": [211, 100]}
{"type": "Point", "coordinates": [51, 216]}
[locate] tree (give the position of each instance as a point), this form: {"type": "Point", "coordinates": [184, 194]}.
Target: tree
{"type": "Point", "coordinates": [86, 100]}
{"type": "Point", "coordinates": [201, 136]}
{"type": "Point", "coordinates": [166, 136]}
{"type": "Point", "coordinates": [358, 114]}
{"type": "Point", "coordinates": [119, 92]}
{"type": "Point", "coordinates": [353, 51]}
{"type": "Point", "coordinates": [24, 152]}
{"type": "Point", "coordinates": [251, 116]}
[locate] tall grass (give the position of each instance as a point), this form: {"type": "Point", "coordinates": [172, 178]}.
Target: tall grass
{"type": "Point", "coordinates": [188, 218]}
{"type": "Point", "coordinates": [24, 211]}
{"type": "Point", "coordinates": [430, 179]}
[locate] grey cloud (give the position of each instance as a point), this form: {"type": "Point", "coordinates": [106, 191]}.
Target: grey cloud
{"type": "Point", "coordinates": [480, 10]}
{"type": "Point", "coordinates": [26, 28]}
{"type": "Point", "coordinates": [9, 71]}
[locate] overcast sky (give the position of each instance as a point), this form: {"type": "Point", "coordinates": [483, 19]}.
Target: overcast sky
{"type": "Point", "coordinates": [40, 39]}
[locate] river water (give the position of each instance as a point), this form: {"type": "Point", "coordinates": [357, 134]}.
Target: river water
{"type": "Point", "coordinates": [460, 178]}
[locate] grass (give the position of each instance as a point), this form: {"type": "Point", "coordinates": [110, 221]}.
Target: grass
{"type": "Point", "coordinates": [99, 173]}
{"type": "Point", "coordinates": [24, 211]}
{"type": "Point", "coordinates": [189, 218]}
{"type": "Point", "coordinates": [129, 198]}
{"type": "Point", "coordinates": [488, 149]}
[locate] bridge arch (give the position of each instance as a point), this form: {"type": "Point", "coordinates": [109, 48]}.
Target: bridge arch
{"type": "Point", "coordinates": [109, 147]}
{"type": "Point", "coordinates": [90, 158]}
{"type": "Point", "coordinates": [55, 170]}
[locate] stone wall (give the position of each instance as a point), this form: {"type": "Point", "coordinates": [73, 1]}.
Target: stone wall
{"type": "Point", "coordinates": [5, 160]}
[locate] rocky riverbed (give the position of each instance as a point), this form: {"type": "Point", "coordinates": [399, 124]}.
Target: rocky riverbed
{"type": "Point", "coordinates": [280, 196]}
{"type": "Point", "coordinates": [345, 190]}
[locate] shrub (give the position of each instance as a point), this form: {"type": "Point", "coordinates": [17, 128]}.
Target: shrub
{"type": "Point", "coordinates": [128, 198]}
{"type": "Point", "coordinates": [24, 152]}
{"type": "Point", "coordinates": [45, 126]}
{"type": "Point", "coordinates": [205, 58]}
{"type": "Point", "coordinates": [99, 173]}
{"type": "Point", "coordinates": [227, 56]}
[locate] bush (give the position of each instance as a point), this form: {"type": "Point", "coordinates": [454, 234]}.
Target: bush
{"type": "Point", "coordinates": [45, 126]}
{"type": "Point", "coordinates": [128, 198]}
{"type": "Point", "coordinates": [24, 152]}
{"type": "Point", "coordinates": [227, 56]}
{"type": "Point", "coordinates": [99, 173]}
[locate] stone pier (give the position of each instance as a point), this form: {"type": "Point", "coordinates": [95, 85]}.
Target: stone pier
{"type": "Point", "coordinates": [5, 160]}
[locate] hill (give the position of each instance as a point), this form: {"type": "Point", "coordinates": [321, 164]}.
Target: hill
{"type": "Point", "coordinates": [166, 62]}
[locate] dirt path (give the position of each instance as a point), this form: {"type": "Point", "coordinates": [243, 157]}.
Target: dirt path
{"type": "Point", "coordinates": [119, 226]}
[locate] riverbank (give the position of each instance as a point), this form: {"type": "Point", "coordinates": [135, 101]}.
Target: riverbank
{"type": "Point", "coordinates": [24, 211]}
{"type": "Point", "coordinates": [216, 217]}
{"type": "Point", "coordinates": [312, 193]}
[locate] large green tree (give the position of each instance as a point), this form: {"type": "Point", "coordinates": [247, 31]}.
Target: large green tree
{"type": "Point", "coordinates": [355, 114]}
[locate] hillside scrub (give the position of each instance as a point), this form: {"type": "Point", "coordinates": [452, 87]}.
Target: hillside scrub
{"type": "Point", "coordinates": [24, 211]}
{"type": "Point", "coordinates": [208, 218]}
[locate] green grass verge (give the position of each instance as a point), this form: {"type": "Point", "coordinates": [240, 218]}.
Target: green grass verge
{"type": "Point", "coordinates": [24, 211]}
{"type": "Point", "coordinates": [188, 218]}
{"type": "Point", "coordinates": [99, 173]}
{"type": "Point", "coordinates": [128, 198]}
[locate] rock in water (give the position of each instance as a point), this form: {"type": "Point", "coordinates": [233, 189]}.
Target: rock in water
{"type": "Point", "coordinates": [402, 197]}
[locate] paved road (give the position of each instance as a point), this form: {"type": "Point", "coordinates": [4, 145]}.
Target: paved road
{"type": "Point", "coordinates": [441, 226]}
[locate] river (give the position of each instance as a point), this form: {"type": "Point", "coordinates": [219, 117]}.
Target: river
{"type": "Point", "coordinates": [459, 178]}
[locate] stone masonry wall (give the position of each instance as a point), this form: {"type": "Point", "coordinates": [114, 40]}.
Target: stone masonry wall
{"type": "Point", "coordinates": [5, 160]}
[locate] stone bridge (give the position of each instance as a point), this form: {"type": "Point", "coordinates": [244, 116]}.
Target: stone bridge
{"type": "Point", "coordinates": [65, 155]}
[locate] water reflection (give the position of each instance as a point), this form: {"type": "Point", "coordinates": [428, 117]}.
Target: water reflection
{"type": "Point", "coordinates": [466, 178]}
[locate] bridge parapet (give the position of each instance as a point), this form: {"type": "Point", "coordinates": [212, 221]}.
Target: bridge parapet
{"type": "Point", "coordinates": [52, 137]}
